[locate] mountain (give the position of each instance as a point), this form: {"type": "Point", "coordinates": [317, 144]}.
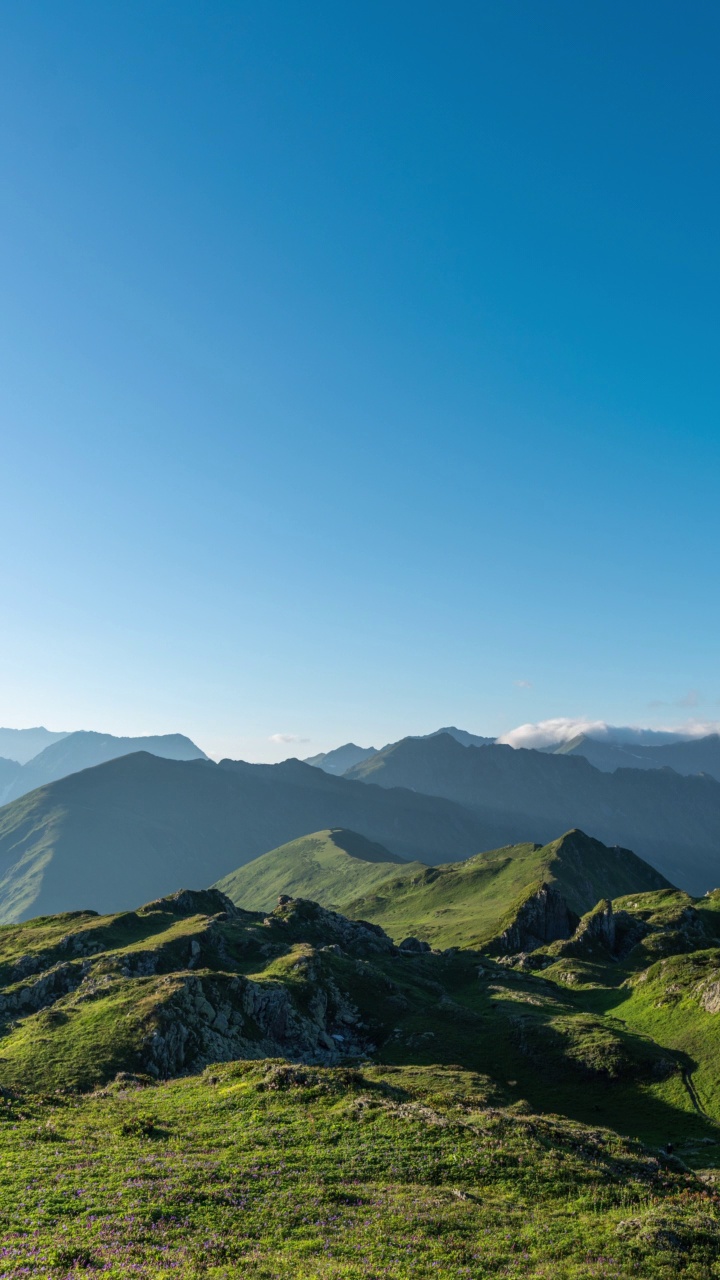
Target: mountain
{"type": "Point", "coordinates": [471, 903]}
{"type": "Point", "coordinates": [671, 821]}
{"type": "Point", "coordinates": [23, 744]}
{"type": "Point", "coordinates": [341, 758]}
{"type": "Point", "coordinates": [84, 749]}
{"type": "Point", "coordinates": [462, 736]}
{"type": "Point", "coordinates": [9, 770]}
{"type": "Point", "coordinates": [347, 757]}
{"type": "Point", "coordinates": [694, 755]}
{"type": "Point", "coordinates": [330, 867]}
{"type": "Point", "coordinates": [126, 830]}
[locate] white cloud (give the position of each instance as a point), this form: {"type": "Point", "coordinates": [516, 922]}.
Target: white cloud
{"type": "Point", "coordinates": [561, 729]}
{"type": "Point", "coordinates": [547, 732]}
{"type": "Point", "coordinates": [286, 737]}
{"type": "Point", "coordinates": [522, 684]}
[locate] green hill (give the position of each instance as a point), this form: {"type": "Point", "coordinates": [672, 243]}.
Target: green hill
{"type": "Point", "coordinates": [124, 831]}
{"type": "Point", "coordinates": [464, 904]}
{"type": "Point", "coordinates": [328, 866]}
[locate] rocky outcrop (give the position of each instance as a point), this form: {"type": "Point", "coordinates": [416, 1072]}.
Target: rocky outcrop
{"type": "Point", "coordinates": [543, 917]}
{"type": "Point", "coordinates": [414, 946]}
{"type": "Point", "coordinates": [300, 917]}
{"type": "Point", "coordinates": [217, 1018]}
{"type": "Point", "coordinates": [194, 902]}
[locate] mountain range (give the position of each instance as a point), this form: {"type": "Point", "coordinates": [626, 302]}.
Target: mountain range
{"type": "Point", "coordinates": [671, 820]}
{"type": "Point", "coordinates": [83, 749]}
{"type": "Point", "coordinates": [695, 755]}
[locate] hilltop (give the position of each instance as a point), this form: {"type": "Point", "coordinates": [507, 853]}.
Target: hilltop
{"type": "Point", "coordinates": [329, 866]}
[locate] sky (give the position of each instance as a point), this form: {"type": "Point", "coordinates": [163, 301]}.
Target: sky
{"type": "Point", "coordinates": [358, 367]}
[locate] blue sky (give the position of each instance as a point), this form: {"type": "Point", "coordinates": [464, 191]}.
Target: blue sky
{"type": "Point", "coordinates": [358, 367]}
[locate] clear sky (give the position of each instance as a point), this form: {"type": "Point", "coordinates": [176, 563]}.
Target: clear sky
{"type": "Point", "coordinates": [358, 366]}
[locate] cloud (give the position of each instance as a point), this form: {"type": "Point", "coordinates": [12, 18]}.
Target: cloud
{"type": "Point", "coordinates": [286, 737]}
{"type": "Point", "coordinates": [548, 733]}
{"type": "Point", "coordinates": [522, 684]}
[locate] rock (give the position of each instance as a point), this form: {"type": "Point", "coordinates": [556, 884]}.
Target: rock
{"type": "Point", "coordinates": [543, 917]}
{"type": "Point", "coordinates": [193, 902]}
{"type": "Point", "coordinates": [414, 946]}
{"type": "Point", "coordinates": [710, 998]}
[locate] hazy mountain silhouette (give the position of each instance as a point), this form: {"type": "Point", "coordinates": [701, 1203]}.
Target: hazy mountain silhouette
{"type": "Point", "coordinates": [671, 820]}
{"type": "Point", "coordinates": [84, 749]}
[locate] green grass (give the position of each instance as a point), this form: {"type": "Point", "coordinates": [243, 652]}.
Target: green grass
{"type": "Point", "coordinates": [269, 1171]}
{"type": "Point", "coordinates": [469, 903]}
{"type": "Point", "coordinates": [329, 866]}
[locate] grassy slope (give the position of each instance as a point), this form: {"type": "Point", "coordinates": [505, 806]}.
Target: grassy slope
{"type": "Point", "coordinates": [328, 866]}
{"type": "Point", "coordinates": [468, 903]}
{"type": "Point", "coordinates": [140, 826]}
{"type": "Point", "coordinates": [266, 1172]}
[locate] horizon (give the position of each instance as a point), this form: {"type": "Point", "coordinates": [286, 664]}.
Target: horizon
{"type": "Point", "coordinates": [537, 736]}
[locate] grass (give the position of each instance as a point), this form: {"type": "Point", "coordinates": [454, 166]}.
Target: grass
{"type": "Point", "coordinates": [267, 1171]}
{"type": "Point", "coordinates": [467, 904]}
{"type": "Point", "coordinates": [329, 866]}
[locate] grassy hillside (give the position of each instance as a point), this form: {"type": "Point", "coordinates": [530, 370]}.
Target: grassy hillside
{"type": "Point", "coordinates": [469, 903]}
{"type": "Point", "coordinates": [672, 821]}
{"type": "Point", "coordinates": [264, 1171]}
{"type": "Point", "coordinates": [346, 1110]}
{"type": "Point", "coordinates": [128, 830]}
{"type": "Point", "coordinates": [328, 866]}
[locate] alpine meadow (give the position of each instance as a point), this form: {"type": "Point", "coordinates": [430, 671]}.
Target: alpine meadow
{"type": "Point", "coordinates": [359, 679]}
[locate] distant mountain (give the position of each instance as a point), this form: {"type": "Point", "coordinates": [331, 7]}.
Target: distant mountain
{"type": "Point", "coordinates": [9, 769]}
{"type": "Point", "coordinates": [23, 744]}
{"type": "Point", "coordinates": [83, 750]}
{"type": "Point", "coordinates": [329, 866]}
{"type": "Point", "coordinates": [670, 820]}
{"type": "Point", "coordinates": [470, 903]}
{"type": "Point", "coordinates": [462, 736]}
{"type": "Point", "coordinates": [693, 755]}
{"type": "Point", "coordinates": [125, 831]}
{"type": "Point", "coordinates": [344, 758]}
{"type": "Point", "coordinates": [341, 758]}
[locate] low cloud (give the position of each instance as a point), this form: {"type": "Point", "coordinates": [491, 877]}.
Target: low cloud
{"type": "Point", "coordinates": [548, 733]}
{"type": "Point", "coordinates": [286, 738]}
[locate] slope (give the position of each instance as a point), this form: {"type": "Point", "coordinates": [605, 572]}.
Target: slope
{"type": "Point", "coordinates": [23, 744]}
{"type": "Point", "coordinates": [84, 750]}
{"type": "Point", "coordinates": [672, 821]}
{"type": "Point", "coordinates": [470, 903]}
{"type": "Point", "coordinates": [124, 831]}
{"type": "Point", "coordinates": [330, 867]}
{"type": "Point", "coordinates": [341, 758]}
{"type": "Point", "coordinates": [699, 755]}
{"type": "Point", "coordinates": [189, 980]}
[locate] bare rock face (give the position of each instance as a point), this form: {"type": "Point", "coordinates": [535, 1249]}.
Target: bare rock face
{"type": "Point", "coordinates": [543, 917]}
